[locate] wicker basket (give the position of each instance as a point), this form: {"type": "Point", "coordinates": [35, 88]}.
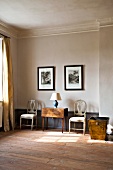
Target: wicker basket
{"type": "Point", "coordinates": [98, 127]}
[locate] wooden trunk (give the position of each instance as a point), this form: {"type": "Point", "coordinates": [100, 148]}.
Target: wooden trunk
{"type": "Point", "coordinates": [97, 128]}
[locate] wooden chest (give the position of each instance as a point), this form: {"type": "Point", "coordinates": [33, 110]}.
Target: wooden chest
{"type": "Point", "coordinates": [97, 128]}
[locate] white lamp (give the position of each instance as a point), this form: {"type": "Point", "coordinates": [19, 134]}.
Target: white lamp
{"type": "Point", "coordinates": [55, 96]}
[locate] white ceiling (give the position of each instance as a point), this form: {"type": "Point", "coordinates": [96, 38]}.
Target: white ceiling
{"type": "Point", "coordinates": [34, 14]}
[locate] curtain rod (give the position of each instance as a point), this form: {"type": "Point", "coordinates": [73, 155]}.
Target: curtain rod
{"type": "Point", "coordinates": [4, 35]}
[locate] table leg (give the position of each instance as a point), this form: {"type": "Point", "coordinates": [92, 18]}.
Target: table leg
{"type": "Point", "coordinates": [47, 123]}
{"type": "Point", "coordinates": [43, 123]}
{"type": "Point", "coordinates": [62, 124]}
{"type": "Point", "coordinates": [66, 121]}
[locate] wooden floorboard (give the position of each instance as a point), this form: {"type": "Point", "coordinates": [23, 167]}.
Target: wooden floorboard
{"type": "Point", "coordinates": [53, 150]}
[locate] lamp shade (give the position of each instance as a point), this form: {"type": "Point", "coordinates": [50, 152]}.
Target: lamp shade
{"type": "Point", "coordinates": [55, 96]}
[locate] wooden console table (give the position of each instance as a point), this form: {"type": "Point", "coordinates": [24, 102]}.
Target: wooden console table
{"type": "Point", "coordinates": [54, 113]}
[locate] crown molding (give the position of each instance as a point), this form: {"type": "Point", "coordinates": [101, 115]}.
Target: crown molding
{"type": "Point", "coordinates": [8, 30]}
{"type": "Point", "coordinates": [105, 22]}
{"type": "Point", "coordinates": [79, 28]}
{"type": "Point", "coordinates": [93, 26]}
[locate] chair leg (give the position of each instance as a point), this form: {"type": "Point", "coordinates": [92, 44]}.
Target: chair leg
{"type": "Point", "coordinates": [69, 125]}
{"type": "Point", "coordinates": [32, 124]}
{"type": "Point", "coordinates": [27, 122]}
{"type": "Point", "coordinates": [36, 123]}
{"type": "Point", "coordinates": [84, 128]}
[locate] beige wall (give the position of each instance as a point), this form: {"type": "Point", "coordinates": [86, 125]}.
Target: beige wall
{"type": "Point", "coordinates": [94, 50]}
{"type": "Point", "coordinates": [59, 50]}
{"type": "Point", "coordinates": [106, 72]}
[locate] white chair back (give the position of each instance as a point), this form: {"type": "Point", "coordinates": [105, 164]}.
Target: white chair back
{"type": "Point", "coordinates": [80, 107]}
{"type": "Point", "coordinates": [32, 106]}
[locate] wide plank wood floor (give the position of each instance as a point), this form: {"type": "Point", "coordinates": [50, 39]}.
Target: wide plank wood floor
{"type": "Point", "coordinates": [53, 150]}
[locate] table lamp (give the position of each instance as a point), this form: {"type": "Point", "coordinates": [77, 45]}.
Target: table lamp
{"type": "Point", "coordinates": [55, 97]}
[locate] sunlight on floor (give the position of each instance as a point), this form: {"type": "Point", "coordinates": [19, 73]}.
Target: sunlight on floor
{"type": "Point", "coordinates": [54, 136]}
{"type": "Point", "coordinates": [95, 141]}
{"type": "Point", "coordinates": [98, 141]}
{"type": "Point", "coordinates": [59, 137]}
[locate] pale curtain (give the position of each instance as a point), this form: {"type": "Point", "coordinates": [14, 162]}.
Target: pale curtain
{"type": "Point", "coordinates": [8, 109]}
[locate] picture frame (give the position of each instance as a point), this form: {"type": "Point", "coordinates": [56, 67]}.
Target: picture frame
{"type": "Point", "coordinates": [73, 77]}
{"type": "Point", "coordinates": [46, 78]}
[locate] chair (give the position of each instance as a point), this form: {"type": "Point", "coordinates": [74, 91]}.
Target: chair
{"type": "Point", "coordinates": [32, 107]}
{"type": "Point", "coordinates": [80, 107]}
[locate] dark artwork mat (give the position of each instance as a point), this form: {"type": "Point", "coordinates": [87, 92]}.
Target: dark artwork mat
{"type": "Point", "coordinates": [46, 78]}
{"type": "Point", "coordinates": [73, 77]}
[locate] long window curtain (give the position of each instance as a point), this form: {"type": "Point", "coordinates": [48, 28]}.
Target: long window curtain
{"type": "Point", "coordinates": [8, 108]}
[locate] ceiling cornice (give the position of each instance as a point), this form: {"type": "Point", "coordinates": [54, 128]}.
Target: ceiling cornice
{"type": "Point", "coordinates": [105, 22]}
{"type": "Point", "coordinates": [85, 27]}
{"type": "Point", "coordinates": [8, 30]}
{"type": "Point", "coordinates": [93, 26]}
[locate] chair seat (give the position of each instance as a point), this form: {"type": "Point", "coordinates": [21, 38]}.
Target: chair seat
{"type": "Point", "coordinates": [31, 112]}
{"type": "Point", "coordinates": [28, 116]}
{"type": "Point", "coordinates": [77, 119]}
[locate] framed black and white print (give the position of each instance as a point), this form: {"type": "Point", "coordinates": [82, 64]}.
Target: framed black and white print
{"type": "Point", "coordinates": [73, 77]}
{"type": "Point", "coordinates": [46, 78]}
